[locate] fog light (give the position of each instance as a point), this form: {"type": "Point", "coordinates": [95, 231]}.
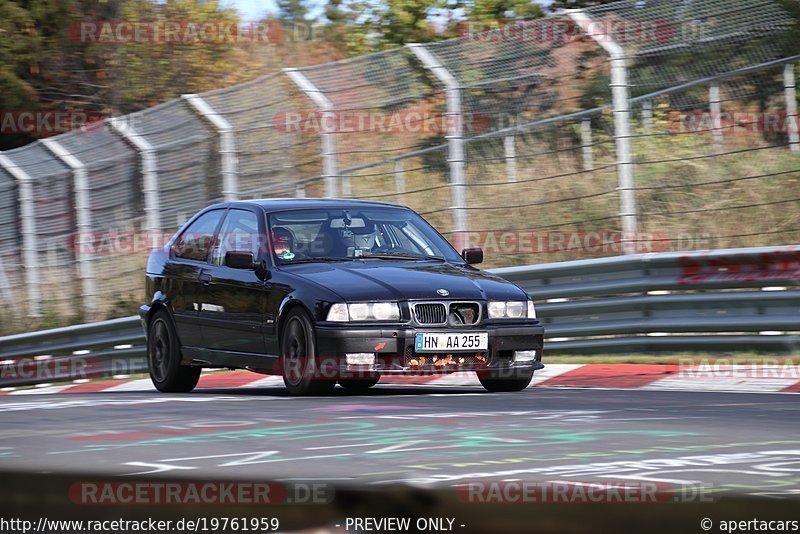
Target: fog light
{"type": "Point", "coordinates": [360, 358]}
{"type": "Point", "coordinates": [524, 355]}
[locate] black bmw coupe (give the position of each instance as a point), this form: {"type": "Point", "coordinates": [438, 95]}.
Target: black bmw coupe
{"type": "Point", "coordinates": [322, 291]}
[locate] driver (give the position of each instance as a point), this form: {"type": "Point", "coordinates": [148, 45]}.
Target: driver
{"type": "Point", "coordinates": [360, 239]}
{"type": "Point", "coordinates": [283, 243]}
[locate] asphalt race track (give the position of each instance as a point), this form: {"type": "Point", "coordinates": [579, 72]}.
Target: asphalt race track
{"type": "Point", "coordinates": [746, 443]}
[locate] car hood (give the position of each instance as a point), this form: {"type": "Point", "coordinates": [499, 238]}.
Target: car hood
{"type": "Point", "coordinates": [379, 280]}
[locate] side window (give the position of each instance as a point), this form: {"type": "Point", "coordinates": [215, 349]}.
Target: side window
{"type": "Point", "coordinates": [196, 241]}
{"type": "Point", "coordinates": [239, 233]}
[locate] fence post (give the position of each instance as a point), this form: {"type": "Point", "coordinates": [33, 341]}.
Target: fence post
{"type": "Point", "coordinates": [227, 144]}
{"type": "Point", "coordinates": [83, 215]}
{"type": "Point", "coordinates": [399, 177]}
{"type": "Point", "coordinates": [455, 141]}
{"type": "Point", "coordinates": [647, 115]}
{"type": "Point", "coordinates": [29, 238]}
{"type": "Point", "coordinates": [511, 158]}
{"type": "Point", "coordinates": [790, 90]}
{"type": "Point", "coordinates": [586, 143]}
{"type": "Point", "coordinates": [346, 191]}
{"type": "Point", "coordinates": [324, 104]}
{"type": "Point", "coordinates": [147, 155]}
{"type": "Point", "coordinates": [716, 112]}
{"type": "Point", "coordinates": [5, 286]}
{"type": "Point", "coordinates": [622, 126]}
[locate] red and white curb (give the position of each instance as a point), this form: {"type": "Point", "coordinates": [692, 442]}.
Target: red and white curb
{"type": "Point", "coordinates": [736, 378]}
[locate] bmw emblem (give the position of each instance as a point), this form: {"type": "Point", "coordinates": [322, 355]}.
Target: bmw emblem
{"type": "Point", "coordinates": [443, 292]}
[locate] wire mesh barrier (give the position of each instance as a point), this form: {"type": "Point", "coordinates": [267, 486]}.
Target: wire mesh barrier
{"type": "Point", "coordinates": [555, 199]}
{"type": "Point", "coordinates": [115, 214]}
{"type": "Point", "coordinates": [723, 178]}
{"type": "Point", "coordinates": [637, 126]}
{"type": "Point", "coordinates": [11, 273]}
{"type": "Point", "coordinates": [271, 149]}
{"type": "Point", "coordinates": [46, 232]}
{"type": "Point", "coordinates": [187, 160]}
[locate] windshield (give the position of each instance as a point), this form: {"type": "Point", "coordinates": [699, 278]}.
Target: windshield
{"type": "Point", "coordinates": [373, 233]}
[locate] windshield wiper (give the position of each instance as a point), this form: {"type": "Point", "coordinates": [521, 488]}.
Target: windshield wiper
{"type": "Point", "coordinates": [400, 256]}
{"type": "Point", "coordinates": [315, 260]}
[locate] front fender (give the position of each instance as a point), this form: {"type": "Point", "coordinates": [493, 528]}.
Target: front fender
{"type": "Point", "coordinates": [159, 301]}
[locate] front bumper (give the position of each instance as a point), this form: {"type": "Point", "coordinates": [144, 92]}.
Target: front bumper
{"type": "Point", "coordinates": [394, 349]}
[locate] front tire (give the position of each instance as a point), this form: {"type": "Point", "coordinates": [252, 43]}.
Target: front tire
{"type": "Point", "coordinates": [164, 357]}
{"type": "Point", "coordinates": [358, 384]}
{"type": "Point", "coordinates": [495, 384]}
{"type": "Point", "coordinates": [299, 357]}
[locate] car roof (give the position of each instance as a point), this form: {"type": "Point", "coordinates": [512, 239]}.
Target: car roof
{"type": "Point", "coordinates": [275, 204]}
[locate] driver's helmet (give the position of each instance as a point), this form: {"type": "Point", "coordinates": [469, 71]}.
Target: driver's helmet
{"type": "Point", "coordinates": [364, 237]}
{"type": "Point", "coordinates": [283, 244]}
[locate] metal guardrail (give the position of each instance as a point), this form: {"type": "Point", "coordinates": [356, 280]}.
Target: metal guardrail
{"type": "Point", "coordinates": [730, 299]}
{"type": "Point", "coordinates": [722, 300]}
{"type": "Point", "coordinates": [84, 351]}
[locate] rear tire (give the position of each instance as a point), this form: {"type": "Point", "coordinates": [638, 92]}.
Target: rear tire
{"type": "Point", "coordinates": [164, 357]}
{"type": "Point", "coordinates": [358, 384]}
{"type": "Point", "coordinates": [496, 384]}
{"type": "Point", "coordinates": [299, 357]}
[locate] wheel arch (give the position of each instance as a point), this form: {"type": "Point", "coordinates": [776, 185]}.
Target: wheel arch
{"type": "Point", "coordinates": [159, 302]}
{"type": "Point", "coordinates": [287, 307]}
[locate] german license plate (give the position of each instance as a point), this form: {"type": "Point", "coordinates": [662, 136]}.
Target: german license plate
{"type": "Point", "coordinates": [461, 342]}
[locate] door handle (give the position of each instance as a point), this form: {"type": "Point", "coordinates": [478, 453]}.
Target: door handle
{"type": "Point", "coordinates": [205, 278]}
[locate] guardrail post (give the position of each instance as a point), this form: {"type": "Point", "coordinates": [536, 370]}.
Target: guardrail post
{"type": "Point", "coordinates": [716, 113]}
{"type": "Point", "coordinates": [511, 158]}
{"type": "Point", "coordinates": [586, 144]}
{"type": "Point", "coordinates": [622, 125]}
{"type": "Point", "coordinates": [147, 155]}
{"type": "Point", "coordinates": [30, 261]}
{"type": "Point", "coordinates": [83, 213]}
{"type": "Point", "coordinates": [227, 144]}
{"type": "Point", "coordinates": [324, 105]}
{"type": "Point", "coordinates": [399, 177]}
{"type": "Point", "coordinates": [455, 141]}
{"type": "Point", "coordinates": [790, 91]}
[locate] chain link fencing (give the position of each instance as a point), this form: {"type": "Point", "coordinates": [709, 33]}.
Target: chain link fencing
{"type": "Point", "coordinates": [637, 126]}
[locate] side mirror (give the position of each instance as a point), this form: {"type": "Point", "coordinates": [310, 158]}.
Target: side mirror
{"type": "Point", "coordinates": [472, 255]}
{"type": "Point", "coordinates": [239, 260]}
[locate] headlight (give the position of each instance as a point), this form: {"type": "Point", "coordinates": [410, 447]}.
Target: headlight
{"type": "Point", "coordinates": [515, 310]}
{"type": "Point", "coordinates": [358, 312]}
{"type": "Point", "coordinates": [364, 311]}
{"type": "Point", "coordinates": [497, 309]}
{"type": "Point", "coordinates": [512, 309]}
{"type": "Point", "coordinates": [531, 310]}
{"type": "Point", "coordinates": [338, 313]}
{"type": "Point", "coordinates": [385, 311]}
